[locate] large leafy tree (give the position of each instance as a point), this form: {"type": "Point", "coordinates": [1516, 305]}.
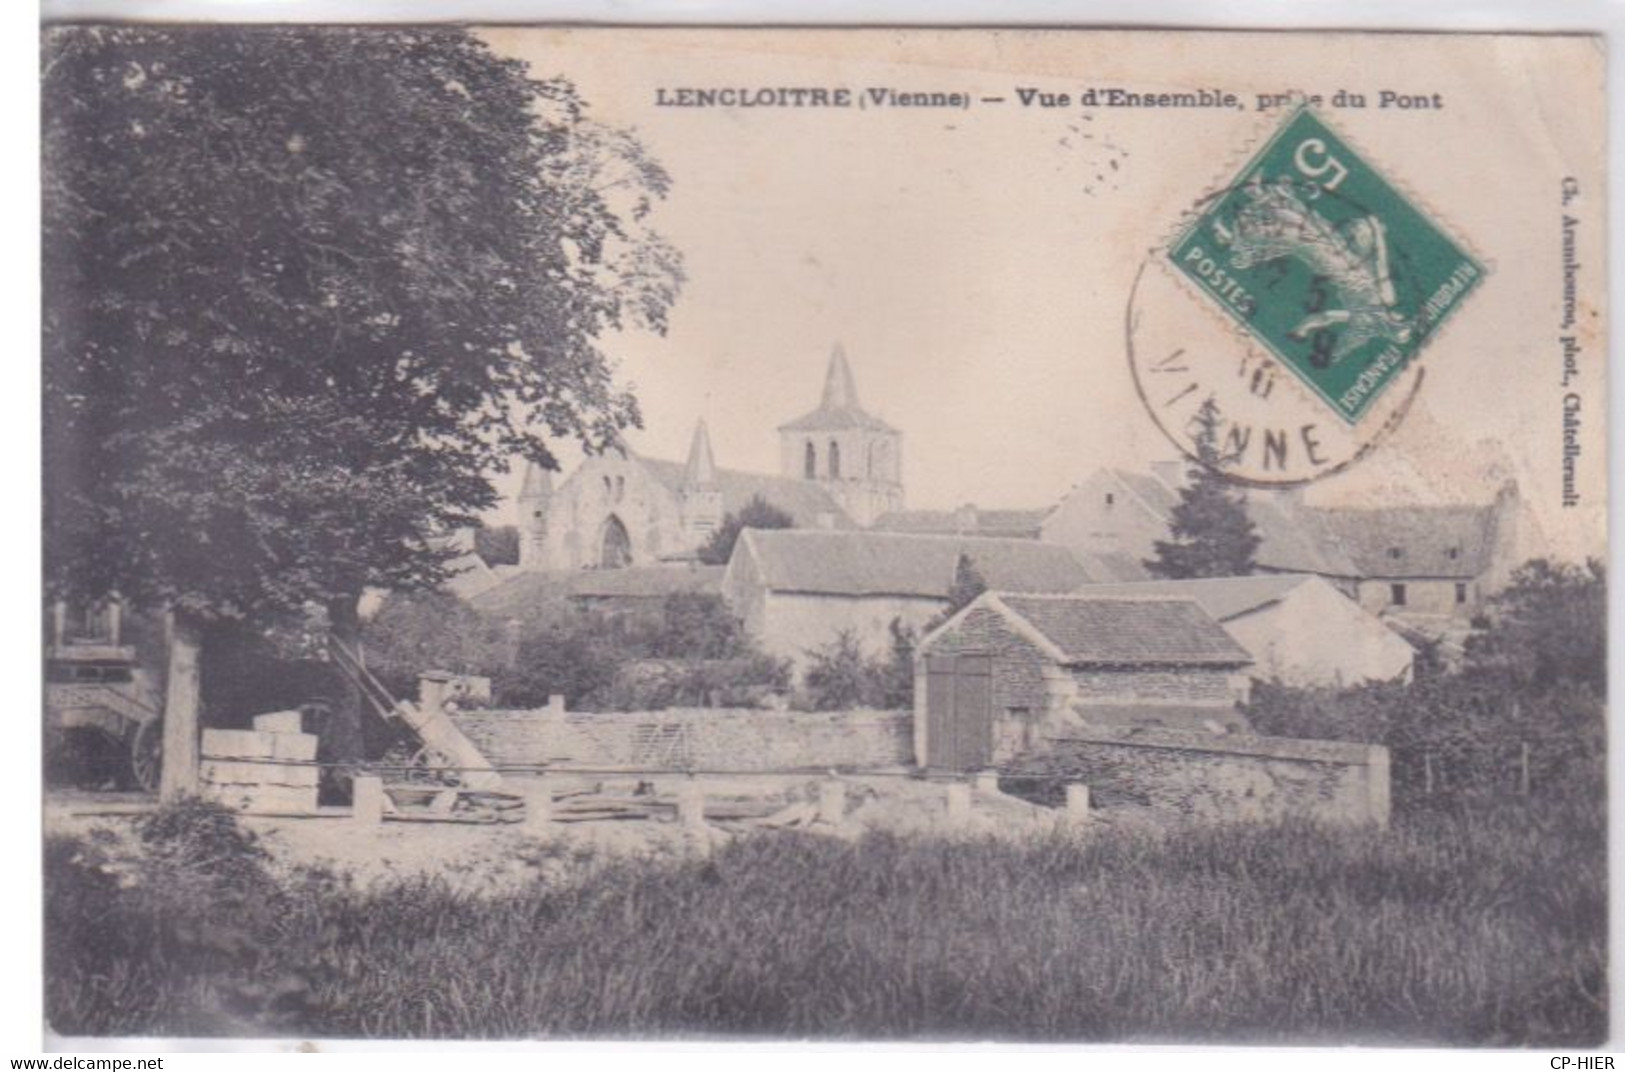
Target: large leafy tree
{"type": "Point", "coordinates": [1210, 534]}
{"type": "Point", "coordinates": [305, 290]}
{"type": "Point", "coordinates": [757, 513]}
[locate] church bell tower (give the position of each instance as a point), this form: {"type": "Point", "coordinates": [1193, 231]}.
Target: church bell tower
{"type": "Point", "coordinates": [849, 452]}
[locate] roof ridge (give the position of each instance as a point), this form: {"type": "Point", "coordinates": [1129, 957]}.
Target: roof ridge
{"type": "Point", "coordinates": [946, 537]}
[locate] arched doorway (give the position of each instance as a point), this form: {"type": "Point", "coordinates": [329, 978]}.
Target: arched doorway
{"type": "Point", "coordinates": [615, 550]}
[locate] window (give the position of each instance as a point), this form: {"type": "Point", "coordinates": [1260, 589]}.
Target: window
{"type": "Point", "coordinates": [1394, 552]}
{"type": "Point", "coordinates": [1461, 593]}
{"type": "Point", "coordinates": [1110, 498]}
{"type": "Point", "coordinates": [809, 466]}
{"type": "Point", "coordinates": [1396, 595]}
{"type": "Point", "coordinates": [834, 460]}
{"type": "Point", "coordinates": [1454, 552]}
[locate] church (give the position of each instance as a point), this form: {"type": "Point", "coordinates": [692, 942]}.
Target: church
{"type": "Point", "coordinates": [840, 468]}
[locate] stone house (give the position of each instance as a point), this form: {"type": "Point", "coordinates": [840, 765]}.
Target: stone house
{"type": "Point", "coordinates": [1437, 561]}
{"type": "Point", "coordinates": [1298, 628]}
{"type": "Point", "coordinates": [797, 590]}
{"type": "Point", "coordinates": [992, 679]}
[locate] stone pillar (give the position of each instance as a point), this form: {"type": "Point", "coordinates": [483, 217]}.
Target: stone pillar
{"type": "Point", "coordinates": [958, 802]}
{"type": "Point", "coordinates": [691, 804]}
{"type": "Point", "coordinates": [987, 783]}
{"type": "Point", "coordinates": [539, 809]}
{"type": "Point", "coordinates": [555, 705]}
{"type": "Point", "coordinates": [1077, 802]}
{"type": "Point", "coordinates": [1378, 800]}
{"type": "Point", "coordinates": [367, 800]}
{"type": "Point", "coordinates": [831, 801]}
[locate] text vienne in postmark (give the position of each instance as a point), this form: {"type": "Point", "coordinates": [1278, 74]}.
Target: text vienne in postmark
{"type": "Point", "coordinates": [1318, 265]}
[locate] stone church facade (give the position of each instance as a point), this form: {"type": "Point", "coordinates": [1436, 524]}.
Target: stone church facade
{"type": "Point", "coordinates": [841, 468]}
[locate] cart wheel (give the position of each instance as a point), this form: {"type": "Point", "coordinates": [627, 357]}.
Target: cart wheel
{"type": "Point", "coordinates": [146, 755]}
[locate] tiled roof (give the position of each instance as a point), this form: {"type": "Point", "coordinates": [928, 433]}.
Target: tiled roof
{"type": "Point", "coordinates": [1295, 538]}
{"type": "Point", "coordinates": [888, 563]}
{"type": "Point", "coordinates": [1153, 492]}
{"type": "Point", "coordinates": [1125, 632]}
{"type": "Point", "coordinates": [1222, 597]}
{"type": "Point", "coordinates": [1115, 566]}
{"type": "Point", "coordinates": [1431, 541]}
{"type": "Point", "coordinates": [521, 590]}
{"type": "Point", "coordinates": [970, 521]}
{"type": "Point", "coordinates": [803, 500]}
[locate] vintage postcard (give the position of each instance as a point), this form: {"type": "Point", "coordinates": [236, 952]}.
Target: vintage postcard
{"type": "Point", "coordinates": [1066, 535]}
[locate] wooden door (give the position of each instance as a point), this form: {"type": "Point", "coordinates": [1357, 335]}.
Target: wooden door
{"type": "Point", "coordinates": [959, 712]}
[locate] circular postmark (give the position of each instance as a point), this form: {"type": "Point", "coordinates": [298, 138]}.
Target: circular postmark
{"type": "Point", "coordinates": [1272, 432]}
{"type": "Point", "coordinates": [1284, 323]}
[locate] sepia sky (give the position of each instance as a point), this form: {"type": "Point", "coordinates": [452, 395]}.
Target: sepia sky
{"type": "Point", "coordinates": [976, 263]}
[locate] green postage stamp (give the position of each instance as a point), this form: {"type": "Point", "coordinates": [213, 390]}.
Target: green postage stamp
{"type": "Point", "coordinates": [1326, 264]}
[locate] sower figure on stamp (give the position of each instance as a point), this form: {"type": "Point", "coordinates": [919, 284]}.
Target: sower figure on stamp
{"type": "Point", "coordinates": [1353, 257]}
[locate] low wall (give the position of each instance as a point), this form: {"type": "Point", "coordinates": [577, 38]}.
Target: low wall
{"type": "Point", "coordinates": [1202, 776]}
{"type": "Point", "coordinates": [731, 739]}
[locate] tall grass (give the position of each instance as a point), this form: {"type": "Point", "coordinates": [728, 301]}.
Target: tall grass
{"type": "Point", "coordinates": [1478, 926]}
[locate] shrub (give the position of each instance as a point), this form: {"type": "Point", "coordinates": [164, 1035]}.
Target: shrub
{"type": "Point", "coordinates": [689, 651]}
{"type": "Point", "coordinates": [434, 630]}
{"type": "Point", "coordinates": [842, 675]}
{"type": "Point", "coordinates": [654, 684]}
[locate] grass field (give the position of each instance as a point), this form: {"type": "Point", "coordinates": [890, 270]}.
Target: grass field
{"type": "Point", "coordinates": [1481, 926]}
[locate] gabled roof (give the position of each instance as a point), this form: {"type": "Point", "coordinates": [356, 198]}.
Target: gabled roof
{"type": "Point", "coordinates": [1416, 541]}
{"type": "Point", "coordinates": [1119, 631]}
{"type": "Point", "coordinates": [1223, 598]}
{"type": "Point", "coordinates": [803, 500]}
{"type": "Point", "coordinates": [521, 590]}
{"type": "Point", "coordinates": [966, 521]}
{"type": "Point", "coordinates": [1296, 538]}
{"type": "Point", "coordinates": [898, 564]}
{"type": "Point", "coordinates": [839, 410]}
{"type": "Point", "coordinates": [1116, 566]}
{"type": "Point", "coordinates": [1352, 542]}
{"type": "Point", "coordinates": [1148, 489]}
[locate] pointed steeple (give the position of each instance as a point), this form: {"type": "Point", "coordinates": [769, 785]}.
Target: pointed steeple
{"type": "Point", "coordinates": [701, 470]}
{"type": "Point", "coordinates": [538, 482]}
{"type": "Point", "coordinates": [840, 392]}
{"type": "Point", "coordinates": [840, 408]}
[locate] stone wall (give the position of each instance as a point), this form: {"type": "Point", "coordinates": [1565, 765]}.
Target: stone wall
{"type": "Point", "coordinates": [718, 739]}
{"type": "Point", "coordinates": [1201, 776]}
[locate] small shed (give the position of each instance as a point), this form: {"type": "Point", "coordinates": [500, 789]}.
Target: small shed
{"type": "Point", "coordinates": [991, 678]}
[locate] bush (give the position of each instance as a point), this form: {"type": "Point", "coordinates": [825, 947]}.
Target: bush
{"type": "Point", "coordinates": [433, 630]}
{"type": "Point", "coordinates": [841, 675]}
{"type": "Point", "coordinates": [1533, 679]}
{"type": "Point", "coordinates": [655, 684]}
{"type": "Point", "coordinates": [690, 651]}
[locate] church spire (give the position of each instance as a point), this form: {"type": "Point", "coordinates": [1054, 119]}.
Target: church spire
{"type": "Point", "coordinates": [840, 392]}
{"type": "Point", "coordinates": [701, 470]}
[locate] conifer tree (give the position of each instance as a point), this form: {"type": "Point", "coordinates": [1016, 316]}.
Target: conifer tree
{"type": "Point", "coordinates": [1210, 534]}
